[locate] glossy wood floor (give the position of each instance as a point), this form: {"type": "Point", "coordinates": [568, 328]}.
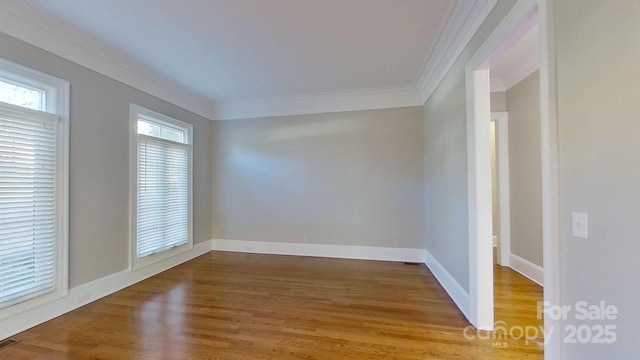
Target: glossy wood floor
{"type": "Point", "coordinates": [247, 306]}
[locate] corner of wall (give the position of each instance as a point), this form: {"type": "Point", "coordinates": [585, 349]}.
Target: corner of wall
{"type": "Point", "coordinates": [456, 292]}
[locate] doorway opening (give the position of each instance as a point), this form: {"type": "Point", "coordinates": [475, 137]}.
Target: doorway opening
{"type": "Point", "coordinates": [481, 291]}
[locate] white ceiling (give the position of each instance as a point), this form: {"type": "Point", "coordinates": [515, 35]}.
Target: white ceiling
{"type": "Point", "coordinates": [249, 58]}
{"type": "Point", "coordinates": [516, 57]}
{"type": "Point", "coordinates": [244, 49]}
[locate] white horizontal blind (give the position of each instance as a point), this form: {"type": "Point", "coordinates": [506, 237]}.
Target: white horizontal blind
{"type": "Point", "coordinates": [163, 187]}
{"type": "Point", "coordinates": [27, 204]}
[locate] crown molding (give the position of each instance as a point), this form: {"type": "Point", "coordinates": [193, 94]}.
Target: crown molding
{"type": "Point", "coordinates": [24, 22]}
{"type": "Point", "coordinates": [35, 27]}
{"type": "Point", "coordinates": [466, 18]}
{"type": "Point", "coordinates": [335, 101]}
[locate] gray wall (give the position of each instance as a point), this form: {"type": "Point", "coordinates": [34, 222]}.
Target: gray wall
{"type": "Point", "coordinates": [352, 178]}
{"type": "Point", "coordinates": [99, 162]}
{"type": "Point", "coordinates": [445, 139]}
{"type": "Point", "coordinates": [495, 191]}
{"type": "Point", "coordinates": [498, 101]}
{"type": "Point", "coordinates": [598, 97]}
{"type": "Point", "coordinates": [525, 169]}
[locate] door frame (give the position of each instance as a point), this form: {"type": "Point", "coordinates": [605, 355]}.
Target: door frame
{"type": "Point", "coordinates": [501, 119]}
{"type": "Point", "coordinates": [479, 171]}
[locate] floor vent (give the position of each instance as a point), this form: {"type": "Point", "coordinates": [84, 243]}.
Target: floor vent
{"type": "Point", "coordinates": [8, 342]}
{"type": "Point", "coordinates": [412, 263]}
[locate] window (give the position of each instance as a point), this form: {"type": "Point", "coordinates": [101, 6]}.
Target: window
{"type": "Point", "coordinates": [33, 188]}
{"type": "Point", "coordinates": [20, 95]}
{"type": "Point", "coordinates": [162, 187]}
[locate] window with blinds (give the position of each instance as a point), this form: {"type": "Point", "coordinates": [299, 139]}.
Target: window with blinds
{"type": "Point", "coordinates": [163, 184]}
{"type": "Point", "coordinates": [32, 188]}
{"type": "Point", "coordinates": [27, 205]}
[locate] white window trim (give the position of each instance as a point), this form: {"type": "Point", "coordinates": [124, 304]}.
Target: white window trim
{"type": "Point", "coordinates": [57, 102]}
{"type": "Point", "coordinates": [134, 112]}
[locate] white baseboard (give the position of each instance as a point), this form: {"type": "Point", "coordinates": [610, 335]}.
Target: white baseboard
{"type": "Point", "coordinates": [92, 291]}
{"type": "Point", "coordinates": [528, 269]}
{"type": "Point", "coordinates": [456, 292]}
{"type": "Point", "coordinates": [320, 250]}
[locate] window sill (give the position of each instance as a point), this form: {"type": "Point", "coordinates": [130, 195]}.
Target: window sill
{"type": "Point", "coordinates": [155, 258]}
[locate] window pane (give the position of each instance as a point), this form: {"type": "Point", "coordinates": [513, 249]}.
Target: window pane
{"type": "Point", "coordinates": [172, 134]}
{"type": "Point", "coordinates": [21, 96]}
{"type": "Point", "coordinates": [147, 128]}
{"type": "Point", "coordinates": [163, 196]}
{"type": "Point", "coordinates": [27, 209]}
{"type": "Point", "coordinates": [163, 202]}
{"type": "Point", "coordinates": [161, 131]}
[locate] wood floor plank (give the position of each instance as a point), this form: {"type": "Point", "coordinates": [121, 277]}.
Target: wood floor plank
{"type": "Point", "coordinates": [246, 306]}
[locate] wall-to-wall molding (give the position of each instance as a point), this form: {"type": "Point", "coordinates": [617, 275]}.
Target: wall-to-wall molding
{"type": "Point", "coordinates": [320, 250]}
{"type": "Point", "coordinates": [528, 269]}
{"type": "Point", "coordinates": [456, 292]}
{"type": "Point", "coordinates": [336, 101]}
{"type": "Point", "coordinates": [466, 18]}
{"type": "Point", "coordinates": [24, 22]}
{"type": "Point", "coordinates": [92, 291]}
{"type": "Point", "coordinates": [97, 289]}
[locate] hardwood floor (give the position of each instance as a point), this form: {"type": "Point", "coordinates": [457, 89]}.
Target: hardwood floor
{"type": "Point", "coordinates": [246, 306]}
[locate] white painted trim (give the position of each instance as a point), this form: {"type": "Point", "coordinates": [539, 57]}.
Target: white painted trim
{"type": "Point", "coordinates": [523, 61]}
{"type": "Point", "coordinates": [23, 21]}
{"type": "Point", "coordinates": [528, 269]}
{"type": "Point", "coordinates": [504, 232]}
{"type": "Point", "coordinates": [337, 101]}
{"type": "Point", "coordinates": [135, 112]}
{"type": "Point", "coordinates": [515, 16]}
{"type": "Point", "coordinates": [479, 199]}
{"type": "Point", "coordinates": [550, 178]}
{"type": "Point", "coordinates": [92, 291]}
{"type": "Point", "coordinates": [320, 250]}
{"type": "Point", "coordinates": [479, 169]}
{"type": "Point", "coordinates": [35, 27]}
{"type": "Point", "coordinates": [57, 93]}
{"type": "Point", "coordinates": [466, 18]}
{"type": "Point", "coordinates": [456, 292]}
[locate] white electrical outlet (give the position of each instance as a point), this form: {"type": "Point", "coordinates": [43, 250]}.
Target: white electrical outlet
{"type": "Point", "coordinates": [580, 225]}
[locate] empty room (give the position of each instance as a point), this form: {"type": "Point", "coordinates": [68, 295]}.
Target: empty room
{"type": "Point", "coordinates": [319, 179]}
